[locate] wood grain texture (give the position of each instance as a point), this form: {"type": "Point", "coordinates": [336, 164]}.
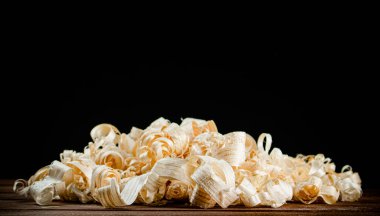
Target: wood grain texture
{"type": "Point", "coordinates": [12, 204]}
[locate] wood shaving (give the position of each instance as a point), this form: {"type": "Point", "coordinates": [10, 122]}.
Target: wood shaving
{"type": "Point", "coordinates": [191, 162]}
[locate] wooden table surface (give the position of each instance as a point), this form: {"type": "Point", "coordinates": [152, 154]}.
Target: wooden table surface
{"type": "Point", "coordinates": [12, 204]}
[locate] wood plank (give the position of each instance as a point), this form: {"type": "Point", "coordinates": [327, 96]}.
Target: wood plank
{"type": "Point", "coordinates": [6, 189]}
{"type": "Point", "coordinates": [167, 213]}
{"type": "Point", "coordinates": [31, 205]}
{"type": "Point", "coordinates": [292, 208]}
{"type": "Point", "coordinates": [341, 206]}
{"type": "Point", "coordinates": [12, 204]}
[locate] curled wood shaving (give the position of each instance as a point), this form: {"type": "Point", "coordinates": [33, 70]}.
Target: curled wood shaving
{"type": "Point", "coordinates": [188, 162]}
{"type": "Point", "coordinates": [177, 190]}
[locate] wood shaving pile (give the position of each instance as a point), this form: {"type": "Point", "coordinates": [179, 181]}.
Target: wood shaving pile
{"type": "Point", "coordinates": [190, 162]}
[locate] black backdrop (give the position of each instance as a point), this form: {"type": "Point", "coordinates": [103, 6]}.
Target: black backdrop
{"type": "Point", "coordinates": [312, 97]}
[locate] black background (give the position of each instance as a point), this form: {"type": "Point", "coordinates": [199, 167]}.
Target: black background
{"type": "Point", "coordinates": [314, 93]}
